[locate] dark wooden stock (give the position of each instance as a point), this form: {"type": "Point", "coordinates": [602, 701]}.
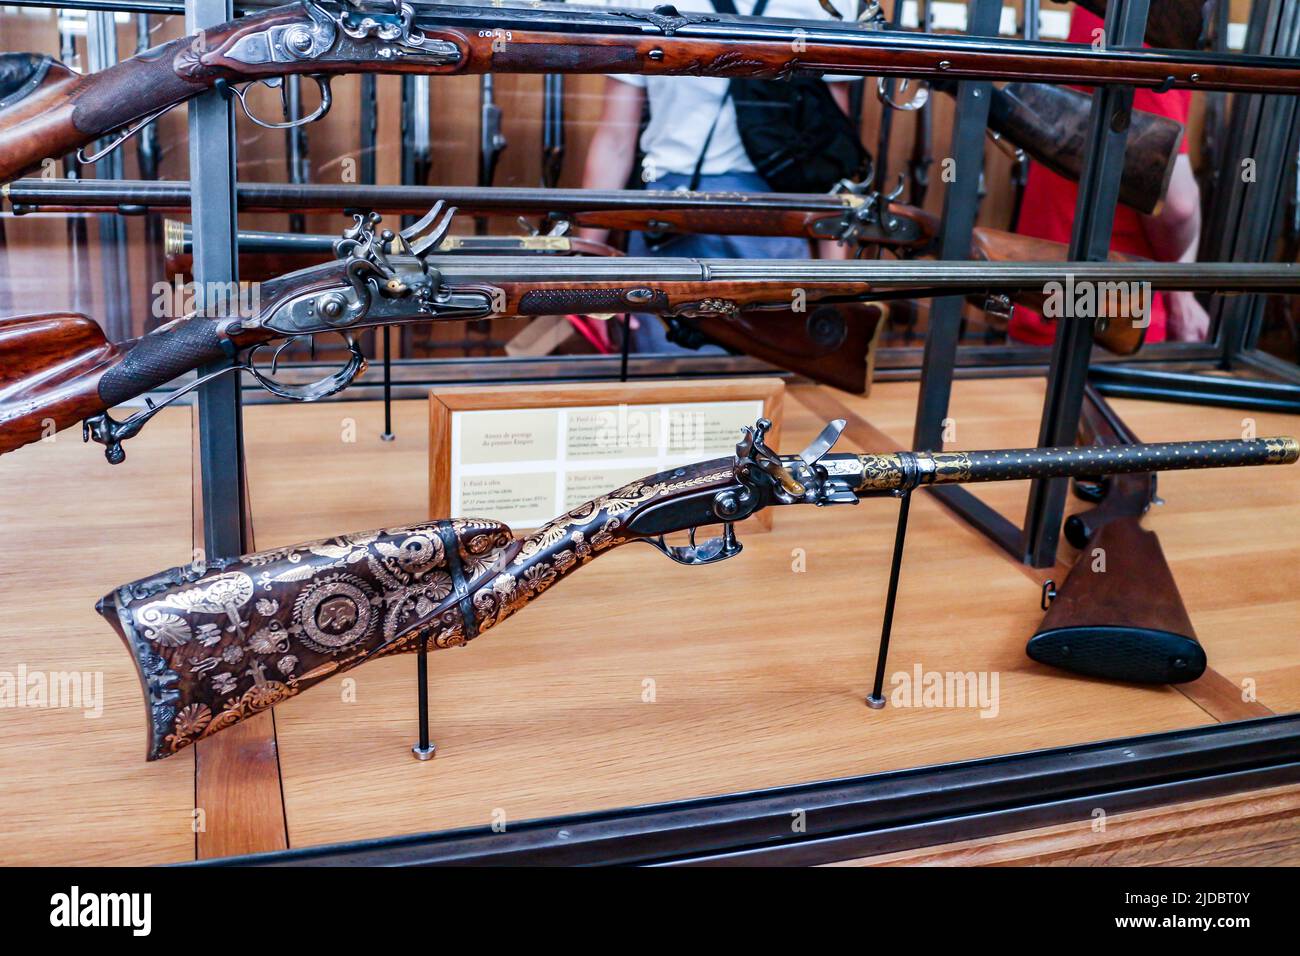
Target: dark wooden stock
{"type": "Point", "coordinates": [1119, 614]}
{"type": "Point", "coordinates": [1117, 334]}
{"type": "Point", "coordinates": [831, 344]}
{"type": "Point", "coordinates": [60, 369]}
{"type": "Point", "coordinates": [1050, 123]}
{"type": "Point", "coordinates": [65, 112]}
{"type": "Point", "coordinates": [1126, 622]}
{"type": "Point", "coordinates": [50, 377]}
{"type": "Point", "coordinates": [1172, 24]}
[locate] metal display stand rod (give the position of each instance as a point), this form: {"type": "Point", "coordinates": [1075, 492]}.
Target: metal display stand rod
{"type": "Point", "coordinates": [960, 207]}
{"type": "Point", "coordinates": [101, 53]}
{"type": "Point", "coordinates": [424, 748]}
{"type": "Point", "coordinates": [212, 172]}
{"type": "Point", "coordinates": [877, 698]}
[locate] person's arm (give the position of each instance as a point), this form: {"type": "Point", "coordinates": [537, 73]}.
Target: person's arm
{"type": "Point", "coordinates": [613, 147]}
{"type": "Point", "coordinates": [1175, 234]}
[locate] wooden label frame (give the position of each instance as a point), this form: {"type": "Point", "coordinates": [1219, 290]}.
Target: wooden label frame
{"type": "Point", "coordinates": [445, 403]}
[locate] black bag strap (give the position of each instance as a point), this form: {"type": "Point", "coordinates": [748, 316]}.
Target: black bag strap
{"type": "Point", "coordinates": [729, 8]}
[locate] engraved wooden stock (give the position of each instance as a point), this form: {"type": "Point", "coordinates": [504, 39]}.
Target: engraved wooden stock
{"type": "Point", "coordinates": [1051, 124]}
{"type": "Point", "coordinates": [217, 644]}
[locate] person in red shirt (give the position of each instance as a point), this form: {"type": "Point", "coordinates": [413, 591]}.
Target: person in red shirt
{"type": "Point", "coordinates": [1171, 235]}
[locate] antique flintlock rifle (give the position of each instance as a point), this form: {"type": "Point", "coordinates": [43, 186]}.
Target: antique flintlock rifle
{"type": "Point", "coordinates": [215, 644]}
{"type": "Point", "coordinates": [833, 344]}
{"type": "Point", "coordinates": [65, 371]}
{"type": "Point", "coordinates": [854, 215]}
{"type": "Point", "coordinates": [904, 230]}
{"type": "Point", "coordinates": [1050, 123]}
{"type": "Point", "coordinates": [47, 110]}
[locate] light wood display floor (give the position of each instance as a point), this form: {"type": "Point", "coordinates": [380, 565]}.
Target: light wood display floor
{"type": "Point", "coordinates": [758, 671]}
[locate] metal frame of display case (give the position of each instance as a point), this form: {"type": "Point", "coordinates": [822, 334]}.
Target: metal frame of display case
{"type": "Point", "coordinates": [879, 812]}
{"type": "Point", "coordinates": [862, 816]}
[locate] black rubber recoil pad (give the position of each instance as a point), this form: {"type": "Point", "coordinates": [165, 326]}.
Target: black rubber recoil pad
{"type": "Point", "coordinates": [1139, 655]}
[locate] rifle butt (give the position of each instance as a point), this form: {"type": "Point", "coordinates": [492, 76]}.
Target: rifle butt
{"type": "Point", "coordinates": [52, 379]}
{"type": "Point", "coordinates": [1120, 334]}
{"type": "Point", "coordinates": [1173, 24]}
{"type": "Point", "coordinates": [1051, 124]}
{"type": "Point", "coordinates": [1125, 622]}
{"type": "Point", "coordinates": [35, 113]}
{"type": "Point", "coordinates": [831, 344]}
{"type": "Point", "coordinates": [211, 648]}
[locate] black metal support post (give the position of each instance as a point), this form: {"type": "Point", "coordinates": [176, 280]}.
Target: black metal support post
{"type": "Point", "coordinates": [1094, 217]}
{"type": "Point", "coordinates": [625, 348]}
{"type": "Point", "coordinates": [877, 698]}
{"type": "Point", "coordinates": [960, 207]}
{"type": "Point", "coordinates": [1245, 217]}
{"type": "Point", "coordinates": [387, 434]}
{"type": "Point", "coordinates": [425, 748]}
{"type": "Point", "coordinates": [116, 315]}
{"type": "Point", "coordinates": [212, 173]}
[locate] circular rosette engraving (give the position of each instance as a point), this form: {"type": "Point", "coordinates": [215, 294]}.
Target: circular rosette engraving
{"type": "Point", "coordinates": [405, 559]}
{"type": "Point", "coordinates": [334, 613]}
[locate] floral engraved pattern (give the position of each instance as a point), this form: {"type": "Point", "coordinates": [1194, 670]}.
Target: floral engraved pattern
{"type": "Point", "coordinates": [223, 645]}
{"type": "Point", "coordinates": [881, 472]}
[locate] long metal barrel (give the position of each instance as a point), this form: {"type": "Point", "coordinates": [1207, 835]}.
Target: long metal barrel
{"type": "Point", "coordinates": [138, 196]}
{"type": "Point", "coordinates": [902, 471]}
{"type": "Point", "coordinates": [883, 274]}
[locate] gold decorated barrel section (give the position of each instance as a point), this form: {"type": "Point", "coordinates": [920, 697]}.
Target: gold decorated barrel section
{"type": "Point", "coordinates": [904, 470]}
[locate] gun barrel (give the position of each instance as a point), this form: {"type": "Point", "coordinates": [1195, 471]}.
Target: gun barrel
{"type": "Point", "coordinates": [903, 471]}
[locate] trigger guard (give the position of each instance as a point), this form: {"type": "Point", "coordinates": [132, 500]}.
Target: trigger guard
{"type": "Point", "coordinates": [313, 391]}
{"type": "Point", "coordinates": [326, 99]}
{"type": "Point", "coordinates": [917, 100]}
